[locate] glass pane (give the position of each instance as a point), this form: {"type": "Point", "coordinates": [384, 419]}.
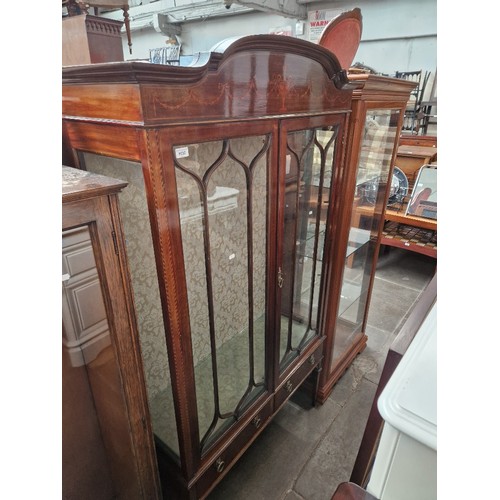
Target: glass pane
{"type": "Point", "coordinates": [97, 453]}
{"type": "Point", "coordinates": [259, 241]}
{"type": "Point", "coordinates": [221, 186]}
{"type": "Point", "coordinates": [191, 216]}
{"type": "Point", "coordinates": [371, 181]}
{"type": "Point", "coordinates": [137, 229]}
{"type": "Point", "coordinates": [309, 164]}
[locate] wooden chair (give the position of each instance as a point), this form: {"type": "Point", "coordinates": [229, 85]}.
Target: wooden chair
{"type": "Point", "coordinates": [414, 115]}
{"type": "Point", "coordinates": [342, 36]}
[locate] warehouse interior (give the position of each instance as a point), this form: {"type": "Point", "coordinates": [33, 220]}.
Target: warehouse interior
{"type": "Point", "coordinates": [277, 443]}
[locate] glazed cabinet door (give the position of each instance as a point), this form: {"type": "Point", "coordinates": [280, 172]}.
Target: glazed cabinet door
{"type": "Point", "coordinates": [224, 187]}
{"type": "Point", "coordinates": [376, 151]}
{"type": "Point", "coordinates": [309, 154]}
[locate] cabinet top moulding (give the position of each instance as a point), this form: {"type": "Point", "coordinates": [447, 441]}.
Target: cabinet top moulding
{"type": "Point", "coordinates": [375, 87]}
{"type": "Point", "coordinates": [80, 184]}
{"type": "Point", "coordinates": [255, 76]}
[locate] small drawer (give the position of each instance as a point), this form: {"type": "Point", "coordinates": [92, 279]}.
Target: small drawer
{"type": "Point", "coordinates": [226, 458]}
{"type": "Point", "coordinates": [298, 375]}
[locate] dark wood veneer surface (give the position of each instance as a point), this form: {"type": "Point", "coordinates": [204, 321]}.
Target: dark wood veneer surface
{"type": "Point", "coordinates": [91, 200]}
{"type": "Point", "coordinates": [141, 112]}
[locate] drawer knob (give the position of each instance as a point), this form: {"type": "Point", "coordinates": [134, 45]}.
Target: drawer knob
{"type": "Point", "coordinates": [289, 386]}
{"type": "Point", "coordinates": [312, 359]}
{"type": "Point", "coordinates": [219, 465]}
{"type": "Point", "coordinates": [257, 421]}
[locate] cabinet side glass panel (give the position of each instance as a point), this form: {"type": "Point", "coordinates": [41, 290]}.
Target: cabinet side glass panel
{"type": "Point", "coordinates": [140, 253]}
{"type": "Point", "coordinates": [377, 146]}
{"type": "Point", "coordinates": [97, 453]}
{"type": "Point", "coordinates": [308, 175]}
{"type": "Point", "coordinates": [222, 192]}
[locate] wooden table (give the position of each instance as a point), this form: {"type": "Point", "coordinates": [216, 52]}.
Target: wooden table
{"type": "Point", "coordinates": [409, 232]}
{"type": "Point", "coordinates": [410, 158]}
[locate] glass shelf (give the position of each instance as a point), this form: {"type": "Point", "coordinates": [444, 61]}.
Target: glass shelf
{"type": "Point", "coordinates": [367, 178]}
{"type": "Point", "coordinates": [308, 251]}
{"type": "Point", "coordinates": [222, 200]}
{"type": "Point", "coordinates": [353, 285]}
{"type": "Point", "coordinates": [233, 382]}
{"type": "Point", "coordinates": [357, 238]}
{"type": "Point", "coordinates": [350, 294]}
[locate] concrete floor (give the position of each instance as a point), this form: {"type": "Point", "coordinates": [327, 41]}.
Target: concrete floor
{"type": "Point", "coordinates": [304, 454]}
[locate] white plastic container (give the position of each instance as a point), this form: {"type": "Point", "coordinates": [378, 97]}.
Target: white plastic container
{"type": "Point", "coordinates": [405, 466]}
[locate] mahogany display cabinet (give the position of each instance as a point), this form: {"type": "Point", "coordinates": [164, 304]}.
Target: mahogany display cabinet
{"type": "Point", "coordinates": [236, 230]}
{"type": "Point", "coordinates": [378, 106]}
{"type": "Point", "coordinates": [108, 447]}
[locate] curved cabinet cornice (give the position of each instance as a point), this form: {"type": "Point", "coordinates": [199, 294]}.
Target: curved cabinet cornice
{"type": "Point", "coordinates": [250, 77]}
{"type": "Point", "coordinates": [145, 72]}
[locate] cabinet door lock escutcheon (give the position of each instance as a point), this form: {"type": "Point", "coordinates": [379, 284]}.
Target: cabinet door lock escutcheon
{"type": "Point", "coordinates": [280, 278]}
{"type": "Point", "coordinates": [219, 465]}
{"type": "Point", "coordinates": [257, 421]}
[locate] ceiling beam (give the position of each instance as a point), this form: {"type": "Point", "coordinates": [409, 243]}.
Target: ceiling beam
{"type": "Point", "coordinates": [161, 24]}
{"type": "Point", "coordinates": [143, 16]}
{"type": "Point", "coordinates": [286, 8]}
{"type": "Point", "coordinates": [173, 13]}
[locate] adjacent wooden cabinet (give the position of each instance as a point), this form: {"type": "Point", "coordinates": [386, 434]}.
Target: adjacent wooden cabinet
{"type": "Point", "coordinates": [90, 39]}
{"type": "Point", "coordinates": [242, 174]}
{"type": "Point", "coordinates": [378, 106]}
{"type": "Point", "coordinates": [107, 444]}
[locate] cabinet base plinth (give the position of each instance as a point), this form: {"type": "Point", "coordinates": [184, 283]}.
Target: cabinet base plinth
{"type": "Point", "coordinates": [325, 391]}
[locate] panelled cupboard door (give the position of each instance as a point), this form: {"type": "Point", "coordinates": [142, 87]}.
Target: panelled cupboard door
{"type": "Point", "coordinates": [107, 442]}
